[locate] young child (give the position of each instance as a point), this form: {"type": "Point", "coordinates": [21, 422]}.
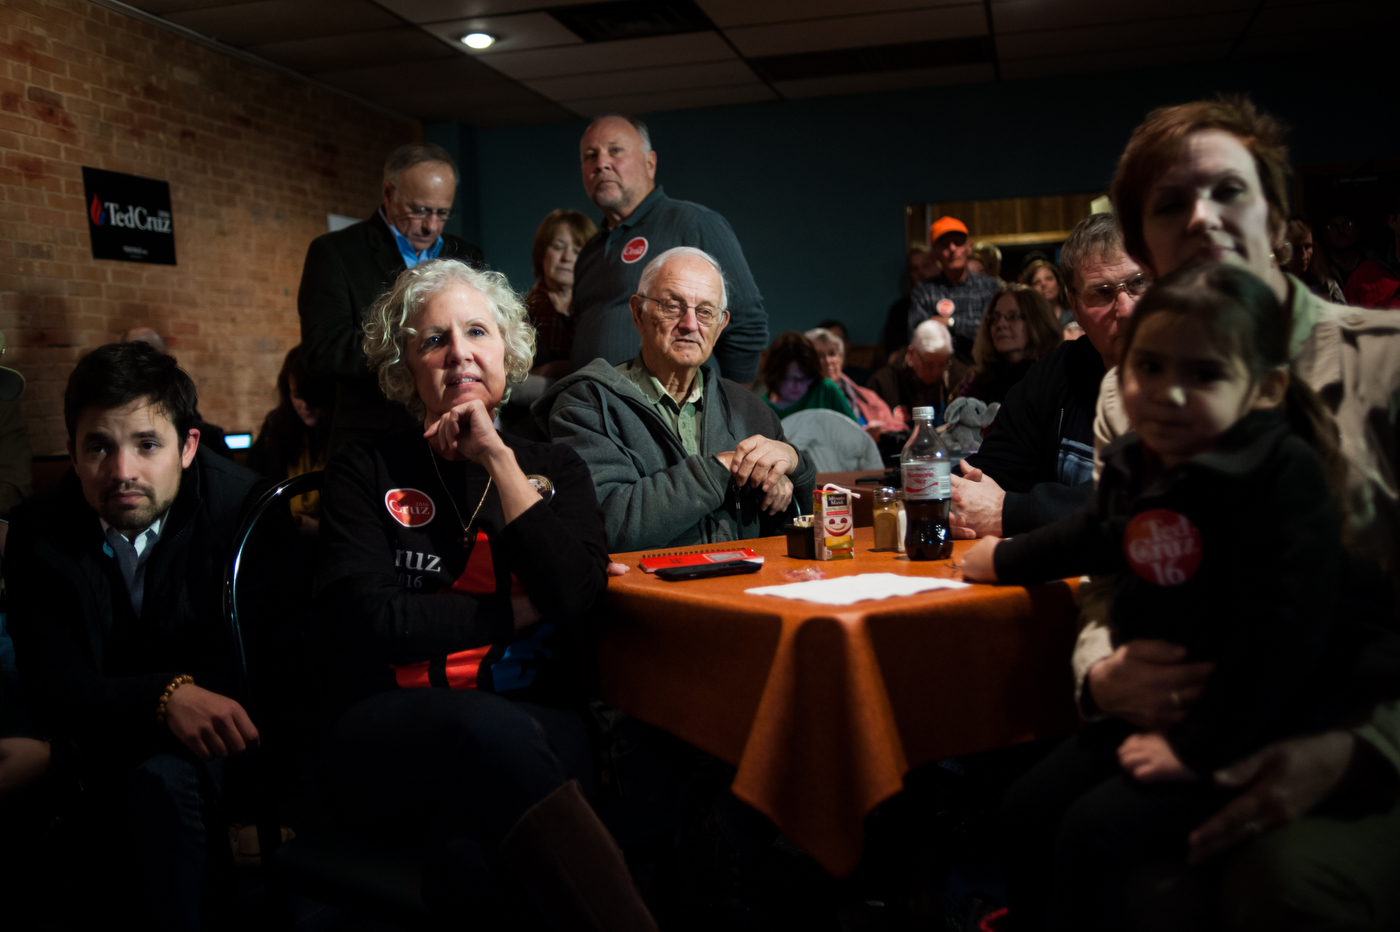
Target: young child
{"type": "Point", "coordinates": [1217, 520]}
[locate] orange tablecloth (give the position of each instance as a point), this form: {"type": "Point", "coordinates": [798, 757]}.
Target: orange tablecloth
{"type": "Point", "coordinates": [824, 708]}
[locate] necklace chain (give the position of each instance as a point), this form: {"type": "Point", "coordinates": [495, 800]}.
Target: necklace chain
{"type": "Point", "coordinates": [466, 525]}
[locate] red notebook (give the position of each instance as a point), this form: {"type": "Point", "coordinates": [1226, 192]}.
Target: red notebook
{"type": "Point", "coordinates": [655, 561]}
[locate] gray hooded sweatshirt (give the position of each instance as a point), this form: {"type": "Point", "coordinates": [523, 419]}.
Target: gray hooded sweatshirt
{"type": "Point", "coordinates": [654, 495]}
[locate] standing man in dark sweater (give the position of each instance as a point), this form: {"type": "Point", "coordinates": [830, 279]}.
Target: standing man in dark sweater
{"type": "Point", "coordinates": [640, 223]}
{"type": "Point", "coordinates": [347, 270]}
{"type": "Point", "coordinates": [1037, 463]}
{"type": "Point", "coordinates": [114, 577]}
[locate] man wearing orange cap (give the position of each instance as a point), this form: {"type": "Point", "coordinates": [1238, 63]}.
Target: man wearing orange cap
{"type": "Point", "coordinates": [956, 294]}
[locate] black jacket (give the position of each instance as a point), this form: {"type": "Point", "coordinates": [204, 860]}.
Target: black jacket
{"type": "Point", "coordinates": [404, 604]}
{"type": "Point", "coordinates": [345, 272]}
{"type": "Point", "coordinates": [1040, 449]}
{"type": "Point", "coordinates": [92, 670]}
{"type": "Point", "coordinates": [1235, 554]}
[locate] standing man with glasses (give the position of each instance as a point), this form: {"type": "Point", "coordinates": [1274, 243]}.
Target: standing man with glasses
{"type": "Point", "coordinates": [678, 455]}
{"type": "Point", "coordinates": [639, 223]}
{"type": "Point", "coordinates": [1037, 463]}
{"type": "Point", "coordinates": [347, 270]}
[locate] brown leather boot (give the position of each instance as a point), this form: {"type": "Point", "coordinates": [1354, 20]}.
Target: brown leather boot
{"type": "Point", "coordinates": [572, 868]}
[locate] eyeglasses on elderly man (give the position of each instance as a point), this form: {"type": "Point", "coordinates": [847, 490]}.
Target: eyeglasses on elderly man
{"type": "Point", "coordinates": [672, 309]}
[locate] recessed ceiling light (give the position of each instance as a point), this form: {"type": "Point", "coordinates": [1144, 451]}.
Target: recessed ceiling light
{"type": "Point", "coordinates": [479, 40]}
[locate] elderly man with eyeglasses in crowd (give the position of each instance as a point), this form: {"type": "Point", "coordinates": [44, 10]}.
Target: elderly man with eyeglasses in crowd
{"type": "Point", "coordinates": [1037, 463]}
{"type": "Point", "coordinates": [678, 454]}
{"type": "Point", "coordinates": [348, 269]}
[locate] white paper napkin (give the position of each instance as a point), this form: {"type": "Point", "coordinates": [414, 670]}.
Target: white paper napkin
{"type": "Point", "coordinates": [845, 590]}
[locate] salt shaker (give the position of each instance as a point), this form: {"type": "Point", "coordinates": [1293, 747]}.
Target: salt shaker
{"type": "Point", "coordinates": [887, 514]}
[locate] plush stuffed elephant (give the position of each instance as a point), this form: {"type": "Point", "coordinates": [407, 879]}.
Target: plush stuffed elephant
{"type": "Point", "coordinates": [965, 422]}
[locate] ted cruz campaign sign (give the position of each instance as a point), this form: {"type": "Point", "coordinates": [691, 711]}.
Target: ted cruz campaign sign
{"type": "Point", "coordinates": [129, 217]}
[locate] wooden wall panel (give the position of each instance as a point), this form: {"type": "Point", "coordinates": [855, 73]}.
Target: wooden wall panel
{"type": "Point", "coordinates": [1005, 220]}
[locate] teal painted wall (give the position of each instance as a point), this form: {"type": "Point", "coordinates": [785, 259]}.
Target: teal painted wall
{"type": "Point", "coordinates": [816, 189]}
{"type": "Point", "coordinates": [460, 142]}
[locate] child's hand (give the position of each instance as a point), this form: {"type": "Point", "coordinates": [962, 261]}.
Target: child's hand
{"type": "Point", "coordinates": [1150, 759]}
{"type": "Point", "coordinates": [977, 562]}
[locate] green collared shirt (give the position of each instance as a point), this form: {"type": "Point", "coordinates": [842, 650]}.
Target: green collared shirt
{"type": "Point", "coordinates": [687, 420]}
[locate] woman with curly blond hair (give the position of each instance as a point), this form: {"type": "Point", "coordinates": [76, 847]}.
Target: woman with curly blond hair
{"type": "Point", "coordinates": [456, 574]}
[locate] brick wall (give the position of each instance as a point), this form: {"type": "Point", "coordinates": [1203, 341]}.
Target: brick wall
{"type": "Point", "coordinates": [255, 161]}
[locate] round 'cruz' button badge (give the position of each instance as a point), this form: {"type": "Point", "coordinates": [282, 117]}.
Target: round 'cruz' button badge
{"type": "Point", "coordinates": [634, 250]}
{"type": "Point", "coordinates": [410, 507]}
{"type": "Point", "coordinates": [542, 485]}
{"type": "Point", "coordinates": [1163, 547]}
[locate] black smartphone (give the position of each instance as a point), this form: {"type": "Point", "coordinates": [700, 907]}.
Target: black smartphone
{"type": "Point", "coordinates": [706, 570]}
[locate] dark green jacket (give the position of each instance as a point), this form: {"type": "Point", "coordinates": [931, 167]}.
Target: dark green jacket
{"type": "Point", "coordinates": [653, 493]}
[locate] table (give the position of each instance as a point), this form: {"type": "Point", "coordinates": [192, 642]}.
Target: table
{"type": "Point", "coordinates": [824, 708]}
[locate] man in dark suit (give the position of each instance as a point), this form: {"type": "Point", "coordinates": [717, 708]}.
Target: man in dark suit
{"type": "Point", "coordinates": [114, 576]}
{"type": "Point", "coordinates": [347, 270]}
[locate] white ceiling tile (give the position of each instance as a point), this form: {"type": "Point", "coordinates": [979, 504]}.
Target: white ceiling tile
{"type": "Point", "coordinates": [245, 24]}
{"type": "Point", "coordinates": [437, 11]}
{"type": "Point", "coordinates": [726, 13]}
{"type": "Point", "coordinates": [380, 47]}
{"type": "Point", "coordinates": [885, 81]}
{"type": "Point", "coordinates": [439, 104]}
{"type": "Point", "coordinates": [513, 33]}
{"type": "Point", "coordinates": [1361, 15]}
{"type": "Point", "coordinates": [161, 7]}
{"type": "Point", "coordinates": [855, 31]}
{"type": "Point", "coordinates": [411, 78]}
{"type": "Point", "coordinates": [1115, 60]}
{"type": "Point", "coordinates": [1091, 40]}
{"type": "Point", "coordinates": [1010, 16]}
{"type": "Point", "coordinates": [673, 100]}
{"type": "Point", "coordinates": [610, 56]}
{"type": "Point", "coordinates": [495, 118]}
{"type": "Point", "coordinates": [1317, 45]}
{"type": "Point", "coordinates": [644, 80]}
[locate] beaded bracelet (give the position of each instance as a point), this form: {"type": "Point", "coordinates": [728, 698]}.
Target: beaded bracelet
{"type": "Point", "coordinates": [184, 679]}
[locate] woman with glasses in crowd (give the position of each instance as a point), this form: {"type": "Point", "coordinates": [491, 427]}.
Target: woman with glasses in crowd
{"type": "Point", "coordinates": [796, 380]}
{"type": "Point", "coordinates": [1017, 329]}
{"type": "Point", "coordinates": [871, 410]}
{"type": "Point", "coordinates": [457, 570]}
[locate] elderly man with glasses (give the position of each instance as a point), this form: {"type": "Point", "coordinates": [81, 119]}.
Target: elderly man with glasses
{"type": "Point", "coordinates": [1037, 463]}
{"type": "Point", "coordinates": [678, 454]}
{"type": "Point", "coordinates": [348, 269]}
